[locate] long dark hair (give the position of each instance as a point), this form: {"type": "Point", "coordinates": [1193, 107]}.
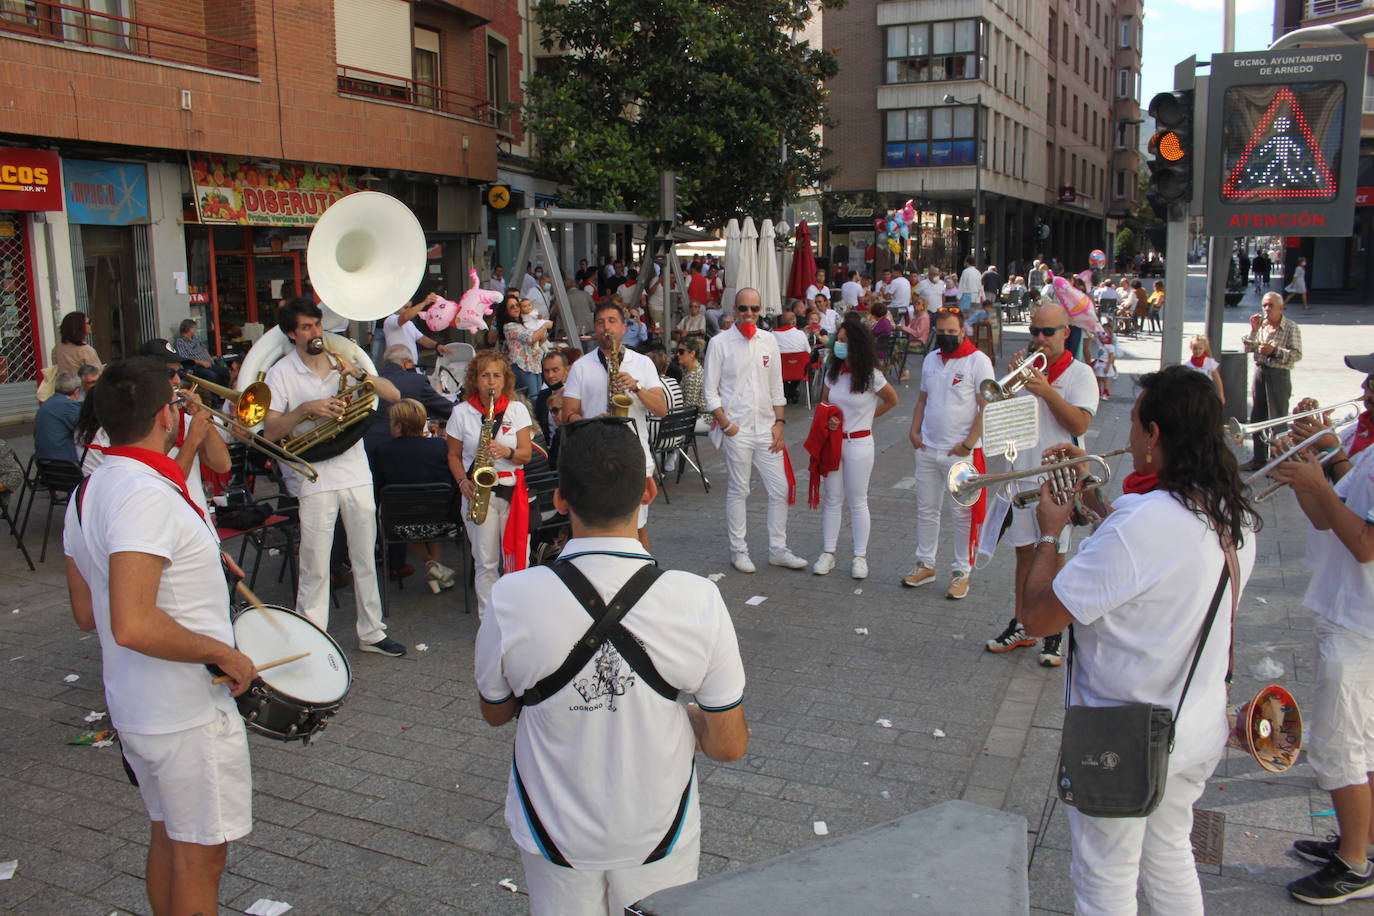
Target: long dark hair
{"type": "Point", "coordinates": [72, 330]}
{"type": "Point", "coordinates": [1198, 469]}
{"type": "Point", "coordinates": [863, 355]}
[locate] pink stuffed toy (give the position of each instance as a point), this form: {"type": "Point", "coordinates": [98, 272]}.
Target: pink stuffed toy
{"type": "Point", "coordinates": [1082, 312]}
{"type": "Point", "coordinates": [470, 309]}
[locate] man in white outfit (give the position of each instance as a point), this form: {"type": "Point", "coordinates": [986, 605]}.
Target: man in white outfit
{"type": "Point", "coordinates": [970, 287]}
{"type": "Point", "coordinates": [743, 391]}
{"type": "Point", "coordinates": [900, 291]}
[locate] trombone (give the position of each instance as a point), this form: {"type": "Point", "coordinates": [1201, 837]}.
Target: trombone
{"type": "Point", "coordinates": [250, 409]}
{"type": "Point", "coordinates": [964, 482]}
{"type": "Point", "coordinates": [1015, 380]}
{"type": "Point", "coordinates": [1292, 454]}
{"type": "Point", "coordinates": [1238, 430]}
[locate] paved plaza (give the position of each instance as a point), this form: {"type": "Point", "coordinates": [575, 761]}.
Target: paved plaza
{"type": "Point", "coordinates": [398, 807]}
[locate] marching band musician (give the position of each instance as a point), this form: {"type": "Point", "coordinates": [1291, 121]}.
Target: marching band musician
{"type": "Point", "coordinates": [305, 385]}
{"type": "Point", "coordinates": [587, 391]}
{"type": "Point", "coordinates": [501, 541]}
{"type": "Point", "coordinates": [1340, 554]}
{"type": "Point", "coordinates": [143, 569]}
{"type": "Point", "coordinates": [1067, 399]}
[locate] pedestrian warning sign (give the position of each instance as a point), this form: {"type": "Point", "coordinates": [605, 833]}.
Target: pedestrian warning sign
{"type": "Point", "coordinates": [1277, 142]}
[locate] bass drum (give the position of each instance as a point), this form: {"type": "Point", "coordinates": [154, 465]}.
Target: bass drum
{"type": "Point", "coordinates": [273, 345]}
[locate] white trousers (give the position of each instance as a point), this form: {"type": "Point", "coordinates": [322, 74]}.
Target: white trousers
{"type": "Point", "coordinates": [932, 495]}
{"type": "Point", "coordinates": [485, 541]}
{"type": "Point", "coordinates": [743, 452]}
{"type": "Point", "coordinates": [848, 486]}
{"type": "Point", "coordinates": [558, 891]}
{"type": "Point", "coordinates": [1112, 854]}
{"type": "Point", "coordinates": [318, 512]}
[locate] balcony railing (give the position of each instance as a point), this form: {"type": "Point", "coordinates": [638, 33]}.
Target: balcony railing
{"type": "Point", "coordinates": [1314, 9]}
{"type": "Point", "coordinates": [74, 25]}
{"type": "Point", "coordinates": [402, 90]}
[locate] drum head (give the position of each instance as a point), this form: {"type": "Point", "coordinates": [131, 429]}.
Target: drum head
{"type": "Point", "coordinates": [322, 677]}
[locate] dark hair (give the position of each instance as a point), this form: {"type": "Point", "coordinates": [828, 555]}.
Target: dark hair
{"type": "Point", "coordinates": [877, 310]}
{"type": "Point", "coordinates": [87, 424]}
{"type": "Point", "coordinates": [505, 311]}
{"type": "Point", "coordinates": [863, 356]}
{"type": "Point", "coordinates": [1198, 468]}
{"type": "Point", "coordinates": [484, 357]}
{"type": "Point", "coordinates": [72, 330]}
{"type": "Point", "coordinates": [606, 305]}
{"type": "Point", "coordinates": [556, 353]}
{"type": "Point", "coordinates": [292, 309]}
{"type": "Point", "coordinates": [128, 396]}
{"type": "Point", "coordinates": [186, 325]}
{"type": "Point", "coordinates": [601, 471]}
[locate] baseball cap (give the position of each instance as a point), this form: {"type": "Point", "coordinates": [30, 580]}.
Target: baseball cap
{"type": "Point", "coordinates": [159, 348]}
{"type": "Point", "coordinates": [1363, 364]}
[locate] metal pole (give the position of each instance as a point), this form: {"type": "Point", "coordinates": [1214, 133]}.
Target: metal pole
{"type": "Point", "coordinates": [1175, 287]}
{"type": "Point", "coordinates": [978, 180]}
{"type": "Point", "coordinates": [1218, 261]}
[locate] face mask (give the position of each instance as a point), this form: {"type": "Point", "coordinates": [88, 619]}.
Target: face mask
{"type": "Point", "coordinates": [947, 343]}
{"type": "Point", "coordinates": [841, 349]}
{"type": "Point", "coordinates": [555, 386]}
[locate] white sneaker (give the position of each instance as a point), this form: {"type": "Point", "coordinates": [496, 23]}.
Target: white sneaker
{"type": "Point", "coordinates": [859, 568]}
{"type": "Point", "coordinates": [824, 563]}
{"type": "Point", "coordinates": [742, 562]}
{"type": "Point", "coordinates": [670, 465]}
{"type": "Point", "coordinates": [787, 559]}
{"type": "Point", "coordinates": [446, 575]}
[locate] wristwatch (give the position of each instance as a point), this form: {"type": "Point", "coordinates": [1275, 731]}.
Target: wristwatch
{"type": "Point", "coordinates": [1048, 539]}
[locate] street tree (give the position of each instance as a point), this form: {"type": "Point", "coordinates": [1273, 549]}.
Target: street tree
{"type": "Point", "coordinates": [719, 91]}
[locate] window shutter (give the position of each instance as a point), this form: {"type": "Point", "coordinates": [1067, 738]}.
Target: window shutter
{"type": "Point", "coordinates": [374, 35]}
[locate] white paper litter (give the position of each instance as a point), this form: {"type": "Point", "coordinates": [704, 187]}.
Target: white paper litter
{"type": "Point", "coordinates": [885, 723]}
{"type": "Point", "coordinates": [862, 631]}
{"type": "Point", "coordinates": [756, 600]}
{"type": "Point", "coordinates": [938, 733]}
{"type": "Point", "coordinates": [1261, 600]}
{"type": "Point", "coordinates": [94, 716]}
{"type": "Point", "coordinates": [72, 678]}
{"type": "Point", "coordinates": [16, 658]}
{"type": "Point", "coordinates": [421, 647]}
{"type": "Point", "coordinates": [866, 763]}
{"type": "Point", "coordinates": [716, 577]}
{"type": "Point", "coordinates": [858, 591]}
{"type": "Point", "coordinates": [885, 794]}
{"type": "Point", "coordinates": [1267, 668]}
{"type": "Point", "coordinates": [15, 611]}
{"type": "Point", "coordinates": [104, 742]}
{"type": "Point", "coordinates": [508, 884]}
{"type": "Point", "coordinates": [820, 828]}
{"type": "Point", "coordinates": [265, 907]}
{"type": "Point", "coordinates": [7, 869]}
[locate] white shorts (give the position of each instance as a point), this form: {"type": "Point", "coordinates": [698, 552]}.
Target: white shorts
{"type": "Point", "coordinates": [558, 891]}
{"type": "Point", "coordinates": [196, 782]}
{"type": "Point", "coordinates": [1341, 746]}
{"type": "Point", "coordinates": [1025, 530]}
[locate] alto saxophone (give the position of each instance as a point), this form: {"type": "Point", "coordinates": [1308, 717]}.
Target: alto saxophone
{"type": "Point", "coordinates": [483, 474]}
{"type": "Point", "coordinates": [618, 403]}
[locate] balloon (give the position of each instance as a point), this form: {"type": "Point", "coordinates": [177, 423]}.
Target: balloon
{"type": "Point", "coordinates": [908, 213]}
{"type": "Point", "coordinates": [892, 228]}
{"type": "Point", "coordinates": [1078, 305]}
{"type": "Point", "coordinates": [893, 246]}
{"type": "Point", "coordinates": [879, 224]}
{"type": "Point", "coordinates": [906, 231]}
{"type": "Point", "coordinates": [1098, 258]}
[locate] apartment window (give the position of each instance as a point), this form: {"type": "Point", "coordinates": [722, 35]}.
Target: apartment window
{"type": "Point", "coordinates": [1127, 31]}
{"type": "Point", "coordinates": [374, 39]}
{"type": "Point", "coordinates": [934, 51]}
{"type": "Point", "coordinates": [498, 82]}
{"type": "Point", "coordinates": [1077, 50]}
{"type": "Point", "coordinates": [1064, 106]}
{"type": "Point", "coordinates": [1123, 83]}
{"type": "Point", "coordinates": [1119, 185]}
{"type": "Point", "coordinates": [1053, 97]}
{"type": "Point", "coordinates": [1064, 45]}
{"type": "Point", "coordinates": [1085, 120]}
{"type": "Point", "coordinates": [1053, 35]}
{"type": "Point", "coordinates": [84, 21]}
{"type": "Point", "coordinates": [920, 137]}
{"type": "Point", "coordinates": [427, 67]}
{"type": "Point", "coordinates": [1074, 118]}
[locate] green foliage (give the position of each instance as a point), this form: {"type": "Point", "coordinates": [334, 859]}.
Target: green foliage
{"type": "Point", "coordinates": [1126, 242]}
{"type": "Point", "coordinates": [714, 89]}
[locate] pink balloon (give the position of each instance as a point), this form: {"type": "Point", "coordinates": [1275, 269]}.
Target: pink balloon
{"type": "Point", "coordinates": [879, 224]}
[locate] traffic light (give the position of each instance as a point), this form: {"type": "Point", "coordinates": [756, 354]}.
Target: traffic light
{"type": "Point", "coordinates": [1172, 146]}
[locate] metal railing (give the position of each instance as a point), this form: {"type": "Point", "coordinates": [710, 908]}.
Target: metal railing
{"type": "Point", "coordinates": [1314, 9]}
{"type": "Point", "coordinates": [402, 90]}
{"type": "Point", "coordinates": [61, 22]}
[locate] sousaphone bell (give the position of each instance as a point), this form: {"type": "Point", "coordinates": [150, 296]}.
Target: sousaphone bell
{"type": "Point", "coordinates": [1269, 727]}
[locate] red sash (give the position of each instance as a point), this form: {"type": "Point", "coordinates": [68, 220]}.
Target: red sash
{"type": "Point", "coordinates": [159, 462]}
{"type": "Point", "coordinates": [1137, 482]}
{"type": "Point", "coordinates": [1364, 434]}
{"type": "Point", "coordinates": [980, 508]}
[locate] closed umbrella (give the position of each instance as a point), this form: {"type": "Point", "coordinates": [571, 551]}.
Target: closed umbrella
{"type": "Point", "coordinates": [803, 271]}
{"type": "Point", "coordinates": [747, 274]}
{"type": "Point", "coordinates": [770, 281]}
{"type": "Point", "coordinates": [731, 265]}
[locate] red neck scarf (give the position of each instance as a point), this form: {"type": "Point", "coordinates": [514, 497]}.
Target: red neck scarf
{"type": "Point", "coordinates": [165, 466]}
{"type": "Point", "coordinates": [747, 328]}
{"type": "Point", "coordinates": [502, 402]}
{"type": "Point", "coordinates": [1197, 360]}
{"type": "Point", "coordinates": [1137, 483]}
{"type": "Point", "coordinates": [1056, 368]}
{"type": "Point", "coordinates": [1364, 434]}
{"type": "Point", "coordinates": [965, 348]}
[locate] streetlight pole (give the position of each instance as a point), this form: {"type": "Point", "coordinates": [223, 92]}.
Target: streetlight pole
{"type": "Point", "coordinates": [977, 106]}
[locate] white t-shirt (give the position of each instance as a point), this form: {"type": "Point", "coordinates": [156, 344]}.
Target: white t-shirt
{"type": "Point", "coordinates": [1208, 366]}
{"type": "Point", "coordinates": [932, 292]}
{"type": "Point", "coordinates": [830, 320]}
{"type": "Point", "coordinates": [129, 507]}
{"type": "Point", "coordinates": [606, 760]}
{"type": "Point", "coordinates": [792, 340]}
{"type": "Point", "coordinates": [881, 287]}
{"type": "Point", "coordinates": [1078, 386]}
{"type": "Point", "coordinates": [743, 376]}
{"type": "Point", "coordinates": [465, 425]}
{"type": "Point", "coordinates": [900, 290]}
{"type": "Point", "coordinates": [94, 458]}
{"type": "Point", "coordinates": [1341, 588]}
{"type": "Point", "coordinates": [850, 293]}
{"type": "Point", "coordinates": [588, 383]}
{"type": "Point", "coordinates": [495, 284]}
{"type": "Point", "coordinates": [971, 281]}
{"type": "Point", "coordinates": [813, 291]}
{"type": "Point", "coordinates": [293, 383]}
{"type": "Point", "coordinates": [951, 390]}
{"type": "Point", "coordinates": [856, 409]}
{"type": "Point", "coordinates": [404, 335]}
{"type": "Point", "coordinates": [1139, 588]}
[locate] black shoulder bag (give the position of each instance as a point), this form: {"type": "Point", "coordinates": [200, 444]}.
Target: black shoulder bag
{"type": "Point", "coordinates": [1113, 760]}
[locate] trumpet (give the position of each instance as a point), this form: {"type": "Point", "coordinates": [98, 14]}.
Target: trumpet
{"type": "Point", "coordinates": [1015, 380]}
{"type": "Point", "coordinates": [1289, 455]}
{"type": "Point", "coordinates": [250, 409]}
{"type": "Point", "coordinates": [964, 481]}
{"type": "Point", "coordinates": [1238, 430]}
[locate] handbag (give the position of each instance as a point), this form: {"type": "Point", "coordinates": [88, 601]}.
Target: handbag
{"type": "Point", "coordinates": [1113, 760]}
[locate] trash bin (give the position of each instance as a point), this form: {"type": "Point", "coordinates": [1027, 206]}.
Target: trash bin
{"type": "Point", "coordinates": [1235, 382]}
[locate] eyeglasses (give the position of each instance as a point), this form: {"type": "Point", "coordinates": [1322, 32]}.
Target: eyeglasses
{"type": "Point", "coordinates": [1045, 332]}
{"type": "Point", "coordinates": [679, 351]}
{"type": "Point", "coordinates": [749, 308]}
{"type": "Point", "coordinates": [1369, 384]}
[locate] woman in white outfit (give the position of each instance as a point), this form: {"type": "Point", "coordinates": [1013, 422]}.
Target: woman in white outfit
{"type": "Point", "coordinates": [1299, 285]}
{"type": "Point", "coordinates": [853, 384]}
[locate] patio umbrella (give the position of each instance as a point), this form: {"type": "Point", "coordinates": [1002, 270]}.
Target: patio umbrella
{"type": "Point", "coordinates": [769, 280]}
{"type": "Point", "coordinates": [748, 272]}
{"type": "Point", "coordinates": [731, 265]}
{"type": "Point", "coordinates": [803, 270]}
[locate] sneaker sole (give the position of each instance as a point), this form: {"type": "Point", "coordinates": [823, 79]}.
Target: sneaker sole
{"type": "Point", "coordinates": [1051, 663]}
{"type": "Point", "coordinates": [953, 597]}
{"type": "Point", "coordinates": [1363, 893]}
{"type": "Point", "coordinates": [925, 581]}
{"type": "Point", "coordinates": [1310, 857]}
{"type": "Point", "coordinates": [1015, 645]}
{"type": "Point", "coordinates": [375, 651]}
{"type": "Point", "coordinates": [801, 565]}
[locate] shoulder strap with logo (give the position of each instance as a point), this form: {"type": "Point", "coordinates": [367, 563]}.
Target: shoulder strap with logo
{"type": "Point", "coordinates": [606, 627]}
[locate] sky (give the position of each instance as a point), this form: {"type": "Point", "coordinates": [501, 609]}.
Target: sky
{"type": "Point", "coordinates": [1175, 29]}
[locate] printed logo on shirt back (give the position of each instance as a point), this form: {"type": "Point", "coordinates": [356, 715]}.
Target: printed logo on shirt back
{"type": "Point", "coordinates": [606, 682]}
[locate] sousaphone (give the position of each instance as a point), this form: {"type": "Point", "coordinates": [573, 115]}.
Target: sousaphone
{"type": "Point", "coordinates": [1269, 727]}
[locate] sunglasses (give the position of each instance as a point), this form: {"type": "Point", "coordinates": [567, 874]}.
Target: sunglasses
{"type": "Point", "coordinates": [679, 351]}
{"type": "Point", "coordinates": [1369, 384]}
{"type": "Point", "coordinates": [950, 309]}
{"type": "Point", "coordinates": [749, 308]}
{"type": "Point", "coordinates": [1045, 332]}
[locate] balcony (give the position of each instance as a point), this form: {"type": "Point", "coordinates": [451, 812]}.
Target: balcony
{"type": "Point", "coordinates": [68, 25]}
{"type": "Point", "coordinates": [1317, 9]}
{"type": "Point", "coordinates": [399, 90]}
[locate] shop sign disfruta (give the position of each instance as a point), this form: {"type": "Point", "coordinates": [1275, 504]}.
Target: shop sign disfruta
{"type": "Point", "coordinates": [232, 190]}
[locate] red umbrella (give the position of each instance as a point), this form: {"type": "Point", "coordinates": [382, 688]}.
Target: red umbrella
{"type": "Point", "coordinates": [803, 272]}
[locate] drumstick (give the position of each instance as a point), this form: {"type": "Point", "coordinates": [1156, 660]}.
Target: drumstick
{"type": "Point", "coordinates": [224, 678]}
{"type": "Point", "coordinates": [256, 602]}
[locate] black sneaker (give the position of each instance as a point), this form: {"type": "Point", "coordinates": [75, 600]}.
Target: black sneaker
{"type": "Point", "coordinates": [1318, 852]}
{"type": "Point", "coordinates": [384, 646]}
{"type": "Point", "coordinates": [1013, 637]}
{"type": "Point", "coordinates": [1052, 651]}
{"type": "Point", "coordinates": [1334, 883]}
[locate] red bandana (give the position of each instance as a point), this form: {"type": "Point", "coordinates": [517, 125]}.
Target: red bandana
{"type": "Point", "coordinates": [165, 466]}
{"type": "Point", "coordinates": [1057, 368]}
{"type": "Point", "coordinates": [502, 402]}
{"type": "Point", "coordinates": [965, 348]}
{"type": "Point", "coordinates": [1197, 360]}
{"type": "Point", "coordinates": [747, 328]}
{"type": "Point", "coordinates": [1137, 482]}
{"type": "Point", "coordinates": [1364, 434]}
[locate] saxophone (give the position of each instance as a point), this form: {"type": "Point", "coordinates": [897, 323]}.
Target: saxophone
{"type": "Point", "coordinates": [483, 474]}
{"type": "Point", "coordinates": [618, 403]}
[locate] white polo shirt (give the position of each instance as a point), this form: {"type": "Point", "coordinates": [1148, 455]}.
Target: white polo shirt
{"type": "Point", "coordinates": [587, 382]}
{"type": "Point", "coordinates": [951, 390]}
{"type": "Point", "coordinates": [792, 340]}
{"type": "Point", "coordinates": [830, 320]}
{"type": "Point", "coordinates": [1342, 588]}
{"type": "Point", "coordinates": [932, 292]}
{"type": "Point", "coordinates": [1078, 385]}
{"type": "Point", "coordinates": [881, 288]}
{"type": "Point", "coordinates": [293, 383]}
{"type": "Point", "coordinates": [606, 760]}
{"type": "Point", "coordinates": [404, 335]}
{"type": "Point", "coordinates": [813, 291]}
{"type": "Point", "coordinates": [129, 507]}
{"type": "Point", "coordinates": [900, 290]}
{"type": "Point", "coordinates": [744, 376]}
{"type": "Point", "coordinates": [856, 408]}
{"type": "Point", "coordinates": [1140, 599]}
{"type": "Point", "coordinates": [94, 458]}
{"type": "Point", "coordinates": [465, 425]}
{"type": "Point", "coordinates": [850, 294]}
